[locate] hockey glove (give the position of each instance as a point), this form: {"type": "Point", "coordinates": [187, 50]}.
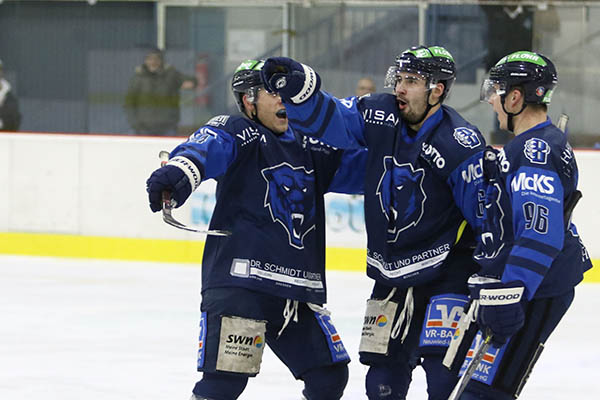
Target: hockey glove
{"type": "Point", "coordinates": [293, 81]}
{"type": "Point", "coordinates": [501, 308]}
{"type": "Point", "coordinates": [179, 176]}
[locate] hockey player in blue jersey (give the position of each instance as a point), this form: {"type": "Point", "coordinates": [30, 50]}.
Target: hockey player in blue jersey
{"type": "Point", "coordinates": [266, 281]}
{"type": "Point", "coordinates": [530, 253]}
{"type": "Point", "coordinates": [422, 198]}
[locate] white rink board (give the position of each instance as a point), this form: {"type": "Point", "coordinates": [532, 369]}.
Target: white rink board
{"type": "Point", "coordinates": [95, 186]}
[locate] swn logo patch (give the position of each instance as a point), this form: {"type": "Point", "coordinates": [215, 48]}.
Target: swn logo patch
{"type": "Point", "coordinates": [379, 320]}
{"type": "Point", "coordinates": [401, 196]}
{"type": "Point", "coordinates": [290, 199]}
{"type": "Point", "coordinates": [245, 340]}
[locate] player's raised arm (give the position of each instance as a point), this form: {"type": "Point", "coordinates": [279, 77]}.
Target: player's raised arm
{"type": "Point", "coordinates": [311, 111]}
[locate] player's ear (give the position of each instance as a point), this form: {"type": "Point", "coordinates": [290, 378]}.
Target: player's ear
{"type": "Point", "coordinates": [515, 95]}
{"type": "Point", "coordinates": [248, 106]}
{"type": "Point", "coordinates": [437, 91]}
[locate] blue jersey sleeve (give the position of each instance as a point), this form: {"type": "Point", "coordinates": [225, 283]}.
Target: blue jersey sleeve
{"type": "Point", "coordinates": [337, 122]}
{"type": "Point", "coordinates": [468, 191]}
{"type": "Point", "coordinates": [537, 204]}
{"type": "Point", "coordinates": [212, 150]}
{"type": "Point", "coordinates": [350, 175]}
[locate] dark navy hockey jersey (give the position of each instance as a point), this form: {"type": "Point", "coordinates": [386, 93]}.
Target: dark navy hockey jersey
{"type": "Point", "coordinates": [525, 235]}
{"type": "Point", "coordinates": [270, 196]}
{"type": "Point", "coordinates": [421, 192]}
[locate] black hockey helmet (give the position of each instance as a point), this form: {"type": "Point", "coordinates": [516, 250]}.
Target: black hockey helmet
{"type": "Point", "coordinates": [434, 63]}
{"type": "Point", "coordinates": [534, 72]}
{"type": "Point", "coordinates": [246, 81]}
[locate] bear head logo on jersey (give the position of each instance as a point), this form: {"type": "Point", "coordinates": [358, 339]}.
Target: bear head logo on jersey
{"type": "Point", "coordinates": [401, 196]}
{"type": "Point", "coordinates": [290, 199]}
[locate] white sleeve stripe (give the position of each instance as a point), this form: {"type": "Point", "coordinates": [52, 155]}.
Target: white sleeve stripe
{"type": "Point", "coordinates": [310, 83]}
{"type": "Point", "coordinates": [189, 169]}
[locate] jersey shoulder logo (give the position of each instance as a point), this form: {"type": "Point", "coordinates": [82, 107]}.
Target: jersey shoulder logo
{"type": "Point", "coordinates": [536, 150]}
{"type": "Point", "coordinates": [466, 137]}
{"type": "Point", "coordinates": [202, 135]}
{"type": "Point", "coordinates": [290, 199]}
{"type": "Point", "coordinates": [219, 120]}
{"type": "Point", "coordinates": [401, 196]}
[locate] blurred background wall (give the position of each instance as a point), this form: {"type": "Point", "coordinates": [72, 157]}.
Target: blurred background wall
{"type": "Point", "coordinates": [70, 62]}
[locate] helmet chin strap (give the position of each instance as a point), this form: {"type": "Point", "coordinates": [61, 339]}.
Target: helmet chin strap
{"type": "Point", "coordinates": [509, 116]}
{"type": "Point", "coordinates": [427, 109]}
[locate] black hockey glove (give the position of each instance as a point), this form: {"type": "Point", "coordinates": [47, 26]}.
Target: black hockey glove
{"type": "Point", "coordinates": [294, 82]}
{"type": "Point", "coordinates": [501, 308]}
{"type": "Point", "coordinates": [180, 177]}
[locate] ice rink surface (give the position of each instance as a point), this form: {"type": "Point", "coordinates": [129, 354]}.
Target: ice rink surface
{"type": "Point", "coordinates": [98, 330]}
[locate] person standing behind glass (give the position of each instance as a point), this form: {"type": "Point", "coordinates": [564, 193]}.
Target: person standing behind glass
{"type": "Point", "coordinates": [365, 85]}
{"type": "Point", "coordinates": [10, 118]}
{"type": "Point", "coordinates": [152, 100]}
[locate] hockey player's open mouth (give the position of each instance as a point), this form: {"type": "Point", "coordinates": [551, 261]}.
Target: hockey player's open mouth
{"type": "Point", "coordinates": [402, 104]}
{"type": "Point", "coordinates": [297, 220]}
{"type": "Point", "coordinates": [281, 113]}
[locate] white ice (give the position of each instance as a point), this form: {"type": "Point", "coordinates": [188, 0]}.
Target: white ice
{"type": "Point", "coordinates": [97, 330]}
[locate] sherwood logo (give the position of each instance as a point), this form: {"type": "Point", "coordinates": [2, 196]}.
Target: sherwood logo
{"type": "Point", "coordinates": [537, 182]}
{"type": "Point", "coordinates": [498, 297]}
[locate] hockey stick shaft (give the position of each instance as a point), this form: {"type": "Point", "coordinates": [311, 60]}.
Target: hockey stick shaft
{"type": "Point", "coordinates": [563, 120]}
{"type": "Point", "coordinates": [168, 204]}
{"type": "Point", "coordinates": [462, 383]}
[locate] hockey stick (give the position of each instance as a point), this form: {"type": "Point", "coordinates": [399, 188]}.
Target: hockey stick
{"type": "Point", "coordinates": [563, 120]}
{"type": "Point", "coordinates": [477, 357]}
{"type": "Point", "coordinates": [168, 204]}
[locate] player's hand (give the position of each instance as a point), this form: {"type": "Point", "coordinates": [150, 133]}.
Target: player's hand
{"type": "Point", "coordinates": [294, 82]}
{"type": "Point", "coordinates": [500, 308]}
{"type": "Point", "coordinates": [179, 176]}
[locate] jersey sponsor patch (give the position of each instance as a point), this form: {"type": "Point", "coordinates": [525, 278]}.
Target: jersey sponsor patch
{"type": "Point", "coordinates": [377, 326]}
{"type": "Point", "coordinates": [289, 197]}
{"type": "Point", "coordinates": [466, 137]}
{"type": "Point", "coordinates": [536, 150]}
{"type": "Point", "coordinates": [488, 367]}
{"type": "Point", "coordinates": [441, 319]}
{"type": "Point", "coordinates": [241, 345]}
{"type": "Point", "coordinates": [528, 181]}
{"type": "Point", "coordinates": [336, 347]}
{"type": "Point", "coordinates": [380, 117]}
{"type": "Point", "coordinates": [219, 120]}
{"type": "Point", "coordinates": [283, 275]}
{"type": "Point", "coordinates": [202, 340]}
{"type": "Point", "coordinates": [401, 196]}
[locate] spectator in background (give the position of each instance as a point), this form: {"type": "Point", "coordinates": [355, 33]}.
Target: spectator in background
{"type": "Point", "coordinates": [364, 86]}
{"type": "Point", "coordinates": [152, 100]}
{"type": "Point", "coordinates": [10, 118]}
